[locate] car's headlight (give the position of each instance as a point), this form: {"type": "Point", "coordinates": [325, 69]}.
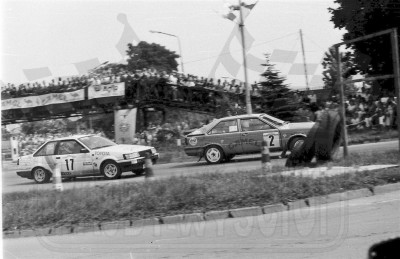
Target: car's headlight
{"type": "Point", "coordinates": [131, 155]}
{"type": "Point", "coordinates": [153, 150]}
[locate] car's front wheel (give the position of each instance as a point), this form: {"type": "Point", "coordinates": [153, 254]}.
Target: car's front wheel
{"type": "Point", "coordinates": [110, 170]}
{"type": "Point", "coordinates": [214, 155]}
{"type": "Point", "coordinates": [40, 175]}
{"type": "Point", "coordinates": [296, 143]}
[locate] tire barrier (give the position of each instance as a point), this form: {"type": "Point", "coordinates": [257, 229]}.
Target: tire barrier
{"type": "Point", "coordinates": [322, 141]}
{"type": "Point", "coordinates": [265, 158]}
{"type": "Point", "coordinates": [328, 137]}
{"type": "Point", "coordinates": [149, 166]}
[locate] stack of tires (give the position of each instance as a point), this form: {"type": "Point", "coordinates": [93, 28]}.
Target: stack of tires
{"type": "Point", "coordinates": [322, 141]}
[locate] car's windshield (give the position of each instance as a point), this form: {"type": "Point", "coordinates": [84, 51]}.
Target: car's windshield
{"type": "Point", "coordinates": [95, 142]}
{"type": "Point", "coordinates": [273, 120]}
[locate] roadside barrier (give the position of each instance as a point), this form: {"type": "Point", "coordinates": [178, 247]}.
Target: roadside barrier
{"type": "Point", "coordinates": [322, 141]}
{"type": "Point", "coordinates": [149, 166]}
{"type": "Point", "coordinates": [265, 158]}
{"type": "Point", "coordinates": [57, 177]}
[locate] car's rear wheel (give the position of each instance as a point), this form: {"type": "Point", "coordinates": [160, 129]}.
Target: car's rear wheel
{"type": "Point", "coordinates": [40, 175]}
{"type": "Point", "coordinates": [110, 170]}
{"type": "Point", "coordinates": [214, 155]}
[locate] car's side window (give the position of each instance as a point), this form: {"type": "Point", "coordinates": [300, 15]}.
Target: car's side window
{"type": "Point", "coordinates": [253, 124]}
{"type": "Point", "coordinates": [225, 127]}
{"type": "Point", "coordinates": [69, 147]}
{"type": "Point", "coordinates": [47, 150]}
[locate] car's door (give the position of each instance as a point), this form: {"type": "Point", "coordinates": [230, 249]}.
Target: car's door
{"type": "Point", "coordinates": [226, 134]}
{"type": "Point", "coordinates": [73, 161]}
{"type": "Point", "coordinates": [45, 156]}
{"type": "Point", "coordinates": [254, 131]}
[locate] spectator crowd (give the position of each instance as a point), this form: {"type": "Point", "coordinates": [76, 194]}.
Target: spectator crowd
{"type": "Point", "coordinates": [362, 109]}
{"type": "Point", "coordinates": [106, 76]}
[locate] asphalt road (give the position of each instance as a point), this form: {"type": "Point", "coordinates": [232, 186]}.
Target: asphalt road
{"type": "Point", "coordinates": [337, 230]}
{"type": "Point", "coordinates": [12, 182]}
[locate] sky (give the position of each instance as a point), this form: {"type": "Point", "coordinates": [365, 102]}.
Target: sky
{"type": "Point", "coordinates": [58, 35]}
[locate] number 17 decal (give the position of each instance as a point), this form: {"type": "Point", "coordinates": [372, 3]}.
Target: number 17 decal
{"type": "Point", "coordinates": [71, 160]}
{"type": "Point", "coordinates": [273, 139]}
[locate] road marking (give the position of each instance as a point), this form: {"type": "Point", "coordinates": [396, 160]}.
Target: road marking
{"type": "Point", "coordinates": [395, 199]}
{"type": "Point", "coordinates": [169, 239]}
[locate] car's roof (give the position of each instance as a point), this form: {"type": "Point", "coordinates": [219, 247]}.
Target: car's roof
{"type": "Point", "coordinates": [72, 137]}
{"type": "Point", "coordinates": [242, 116]}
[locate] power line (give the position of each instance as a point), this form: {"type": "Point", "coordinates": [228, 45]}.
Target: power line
{"type": "Point", "coordinates": [226, 53]}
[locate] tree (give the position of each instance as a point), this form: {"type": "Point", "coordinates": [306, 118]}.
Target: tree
{"type": "Point", "coordinates": [111, 68]}
{"type": "Point", "coordinates": [363, 17]}
{"type": "Point", "coordinates": [153, 55]}
{"type": "Point", "coordinates": [46, 126]}
{"type": "Point", "coordinates": [330, 72]}
{"type": "Point", "coordinates": [276, 97]}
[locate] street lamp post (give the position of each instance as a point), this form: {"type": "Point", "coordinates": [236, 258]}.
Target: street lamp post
{"type": "Point", "coordinates": [179, 44]}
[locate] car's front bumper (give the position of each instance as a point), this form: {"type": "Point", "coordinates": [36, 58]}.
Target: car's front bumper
{"type": "Point", "coordinates": [137, 163]}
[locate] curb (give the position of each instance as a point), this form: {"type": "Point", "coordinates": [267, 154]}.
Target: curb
{"type": "Point", "coordinates": [215, 215]}
{"type": "Point", "coordinates": [207, 216]}
{"type": "Point", "coordinates": [246, 212]}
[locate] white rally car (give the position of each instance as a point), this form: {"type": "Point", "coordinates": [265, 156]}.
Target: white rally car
{"type": "Point", "coordinates": [84, 155]}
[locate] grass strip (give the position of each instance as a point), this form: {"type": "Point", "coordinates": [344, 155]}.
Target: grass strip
{"type": "Point", "coordinates": [183, 194]}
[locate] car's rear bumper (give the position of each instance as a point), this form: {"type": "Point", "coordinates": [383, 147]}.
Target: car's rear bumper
{"type": "Point", "coordinates": [138, 163]}
{"type": "Point", "coordinates": [193, 151]}
{"type": "Point", "coordinates": [25, 174]}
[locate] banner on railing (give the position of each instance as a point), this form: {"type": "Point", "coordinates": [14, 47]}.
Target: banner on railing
{"type": "Point", "coordinates": [42, 100]}
{"type": "Point", "coordinates": [125, 125]}
{"type": "Point", "coordinates": [101, 91]}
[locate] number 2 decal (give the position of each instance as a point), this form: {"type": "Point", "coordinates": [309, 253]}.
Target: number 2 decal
{"type": "Point", "coordinates": [72, 164]}
{"type": "Point", "coordinates": [273, 139]}
{"type": "Point", "coordinates": [271, 142]}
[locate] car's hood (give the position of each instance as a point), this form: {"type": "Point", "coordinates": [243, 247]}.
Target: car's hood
{"type": "Point", "coordinates": [123, 148]}
{"type": "Point", "coordinates": [26, 156]}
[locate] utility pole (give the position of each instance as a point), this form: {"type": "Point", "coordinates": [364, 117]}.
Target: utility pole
{"type": "Point", "coordinates": [342, 109]}
{"type": "Point", "coordinates": [396, 73]}
{"type": "Point", "coordinates": [247, 87]}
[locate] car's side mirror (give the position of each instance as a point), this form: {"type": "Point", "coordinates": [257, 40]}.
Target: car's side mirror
{"type": "Point", "coordinates": [84, 150]}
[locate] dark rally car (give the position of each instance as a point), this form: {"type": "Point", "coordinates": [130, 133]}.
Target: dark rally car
{"type": "Point", "coordinates": [224, 138]}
